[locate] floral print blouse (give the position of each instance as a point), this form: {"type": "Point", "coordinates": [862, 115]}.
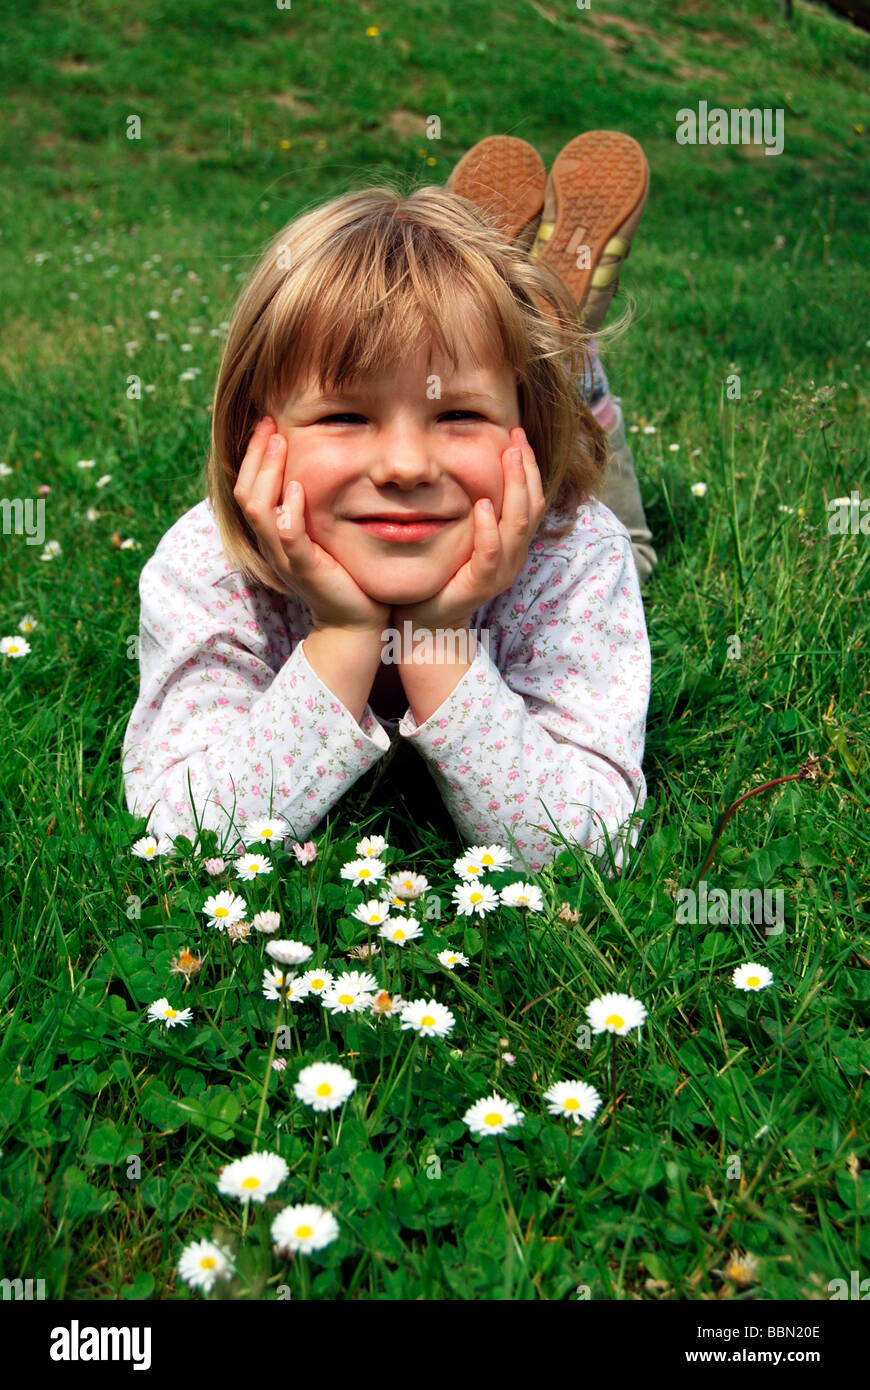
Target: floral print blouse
{"type": "Point", "coordinates": [546, 726]}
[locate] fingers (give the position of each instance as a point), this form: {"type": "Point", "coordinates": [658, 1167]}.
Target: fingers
{"type": "Point", "coordinates": [524, 504]}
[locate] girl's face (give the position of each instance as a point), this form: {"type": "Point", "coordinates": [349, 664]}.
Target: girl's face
{"type": "Point", "coordinates": [421, 442]}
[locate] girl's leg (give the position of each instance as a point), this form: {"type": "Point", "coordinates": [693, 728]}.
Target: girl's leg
{"type": "Point", "coordinates": [619, 489]}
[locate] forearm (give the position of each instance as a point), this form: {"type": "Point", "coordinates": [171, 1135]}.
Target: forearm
{"type": "Point", "coordinates": [434, 668]}
{"type": "Point", "coordinates": [346, 661]}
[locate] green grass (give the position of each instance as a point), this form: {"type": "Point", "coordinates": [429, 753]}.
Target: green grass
{"type": "Point", "coordinates": [740, 1118]}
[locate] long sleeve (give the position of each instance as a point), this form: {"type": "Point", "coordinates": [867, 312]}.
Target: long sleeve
{"type": "Point", "coordinates": [553, 714]}
{"type": "Point", "coordinates": [228, 700]}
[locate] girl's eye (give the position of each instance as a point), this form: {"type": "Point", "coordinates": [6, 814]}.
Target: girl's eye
{"type": "Point", "coordinates": [340, 418]}
{"type": "Point", "coordinates": [462, 414]}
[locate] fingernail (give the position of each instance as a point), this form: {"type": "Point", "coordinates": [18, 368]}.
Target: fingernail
{"type": "Point", "coordinates": [515, 455]}
{"type": "Point", "coordinates": [486, 504]}
{"type": "Point", "coordinates": [267, 423]}
{"type": "Point", "coordinates": [274, 444]}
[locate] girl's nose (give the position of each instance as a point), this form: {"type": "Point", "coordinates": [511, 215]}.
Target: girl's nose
{"type": "Point", "coordinates": [403, 457]}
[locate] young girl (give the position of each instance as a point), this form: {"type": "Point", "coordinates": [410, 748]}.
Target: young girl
{"type": "Point", "coordinates": [397, 447]}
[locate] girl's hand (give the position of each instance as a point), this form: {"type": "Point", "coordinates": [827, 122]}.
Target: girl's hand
{"type": "Point", "coordinates": [275, 509]}
{"type": "Point", "coordinates": [501, 548]}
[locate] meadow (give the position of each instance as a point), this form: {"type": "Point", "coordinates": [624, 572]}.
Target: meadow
{"type": "Point", "coordinates": [148, 156]}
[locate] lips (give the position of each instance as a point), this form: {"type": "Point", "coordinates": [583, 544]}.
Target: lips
{"type": "Point", "coordinates": [401, 518]}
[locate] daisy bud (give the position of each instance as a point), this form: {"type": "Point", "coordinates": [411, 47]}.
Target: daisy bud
{"type": "Point", "coordinates": [307, 853]}
{"type": "Point", "coordinates": [214, 866]}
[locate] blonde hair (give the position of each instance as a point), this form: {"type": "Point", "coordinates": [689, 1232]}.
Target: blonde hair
{"type": "Point", "coordinates": [345, 290]}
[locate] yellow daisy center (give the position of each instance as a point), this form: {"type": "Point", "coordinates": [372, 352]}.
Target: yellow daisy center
{"type": "Point", "coordinates": [493, 1118]}
{"type": "Point", "coordinates": [487, 859]}
{"type": "Point", "coordinates": [427, 1021]}
{"type": "Point", "coordinates": [398, 934]}
{"type": "Point", "coordinates": [753, 981]}
{"type": "Point", "coordinates": [375, 918]}
{"type": "Point", "coordinates": [572, 1103]}
{"type": "Point", "coordinates": [303, 1232]}
{"type": "Point", "coordinates": [345, 999]}
{"type": "Point", "coordinates": [266, 834]}
{"type": "Point", "coordinates": [317, 984]}
{"type": "Point", "coordinates": [473, 869]}
{"type": "Point", "coordinates": [737, 1273]}
{"type": "Point", "coordinates": [477, 897]}
{"type": "Point", "coordinates": [221, 912]}
{"type": "Point", "coordinates": [149, 849]}
{"type": "Point", "coordinates": [324, 1089]}
{"type": "Point", "coordinates": [14, 648]}
{"type": "Point", "coordinates": [250, 1182]}
{"type": "Point", "coordinates": [522, 898]}
{"type": "Point", "coordinates": [452, 958]}
{"type": "Point", "coordinates": [171, 1013]}
{"type": "Point", "coordinates": [365, 873]}
{"type": "Point", "coordinates": [615, 1021]}
{"type": "Point", "coordinates": [208, 1262]}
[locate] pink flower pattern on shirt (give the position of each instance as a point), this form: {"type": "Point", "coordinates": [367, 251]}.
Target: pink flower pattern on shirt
{"type": "Point", "coordinates": [552, 715]}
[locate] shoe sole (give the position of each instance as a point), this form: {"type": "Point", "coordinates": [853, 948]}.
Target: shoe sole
{"type": "Point", "coordinates": [505, 178]}
{"type": "Point", "coordinates": [595, 195]}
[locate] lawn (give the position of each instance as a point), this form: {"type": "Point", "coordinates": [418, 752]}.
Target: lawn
{"type": "Point", "coordinates": [148, 156]}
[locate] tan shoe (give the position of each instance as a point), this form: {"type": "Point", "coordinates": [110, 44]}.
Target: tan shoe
{"type": "Point", "coordinates": [594, 200]}
{"type": "Point", "coordinates": [506, 178]}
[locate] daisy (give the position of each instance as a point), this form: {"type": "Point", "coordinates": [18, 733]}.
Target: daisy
{"type": "Point", "coordinates": [741, 1269]}
{"type": "Point", "coordinates": [251, 866]}
{"type": "Point", "coordinates": [752, 976]}
{"type": "Point", "coordinates": [104, 480]}
{"type": "Point", "coordinates": [364, 871]}
{"type": "Point", "coordinates": [266, 830]}
{"type": "Point", "coordinates": [14, 646]}
{"type": "Point", "coordinates": [281, 983]}
{"type": "Point", "coordinates": [202, 1263]}
{"type": "Point", "coordinates": [315, 981]}
{"type": "Point", "coordinates": [130, 544]}
{"type": "Point", "coordinates": [429, 1018]}
{"type": "Point", "coordinates": [372, 847]}
{"type": "Point", "coordinates": [385, 1005]}
{"type": "Point", "coordinates": [185, 963]}
{"type": "Point", "coordinates": [239, 931]}
{"type": "Point", "coordinates": [365, 951]}
{"type": "Point", "coordinates": [28, 623]}
{"type": "Point", "coordinates": [573, 1099]}
{"type": "Point", "coordinates": [223, 908]}
{"type": "Point", "coordinates": [475, 897]}
{"type": "Point", "coordinates": [161, 1011]}
{"type": "Point", "coordinates": [6, 471]}
{"type": "Point", "coordinates": [51, 550]}
{"type": "Point", "coordinates": [407, 885]}
{"type": "Point", "coordinates": [468, 868]}
{"type": "Point", "coordinates": [86, 463]}
{"type": "Point", "coordinates": [266, 922]}
{"type": "Point", "coordinates": [149, 847]}
{"type": "Point", "coordinates": [523, 895]}
{"type": "Point", "coordinates": [213, 867]}
{"type": "Point", "coordinates": [452, 958]}
{"type": "Point", "coordinates": [699, 489]}
{"type": "Point", "coordinates": [491, 856]}
{"type": "Point", "coordinates": [288, 952]}
{"type": "Point", "coordinates": [373, 913]}
{"type": "Point", "coordinates": [615, 1013]}
{"type": "Point", "coordinates": [351, 993]}
{"type": "Point", "coordinates": [307, 853]}
{"type": "Point", "coordinates": [324, 1085]}
{"type": "Point", "coordinates": [254, 1178]}
{"type": "Point", "coordinates": [401, 929]}
{"type": "Point", "coordinates": [492, 1115]}
{"type": "Point", "coordinates": [299, 1230]}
